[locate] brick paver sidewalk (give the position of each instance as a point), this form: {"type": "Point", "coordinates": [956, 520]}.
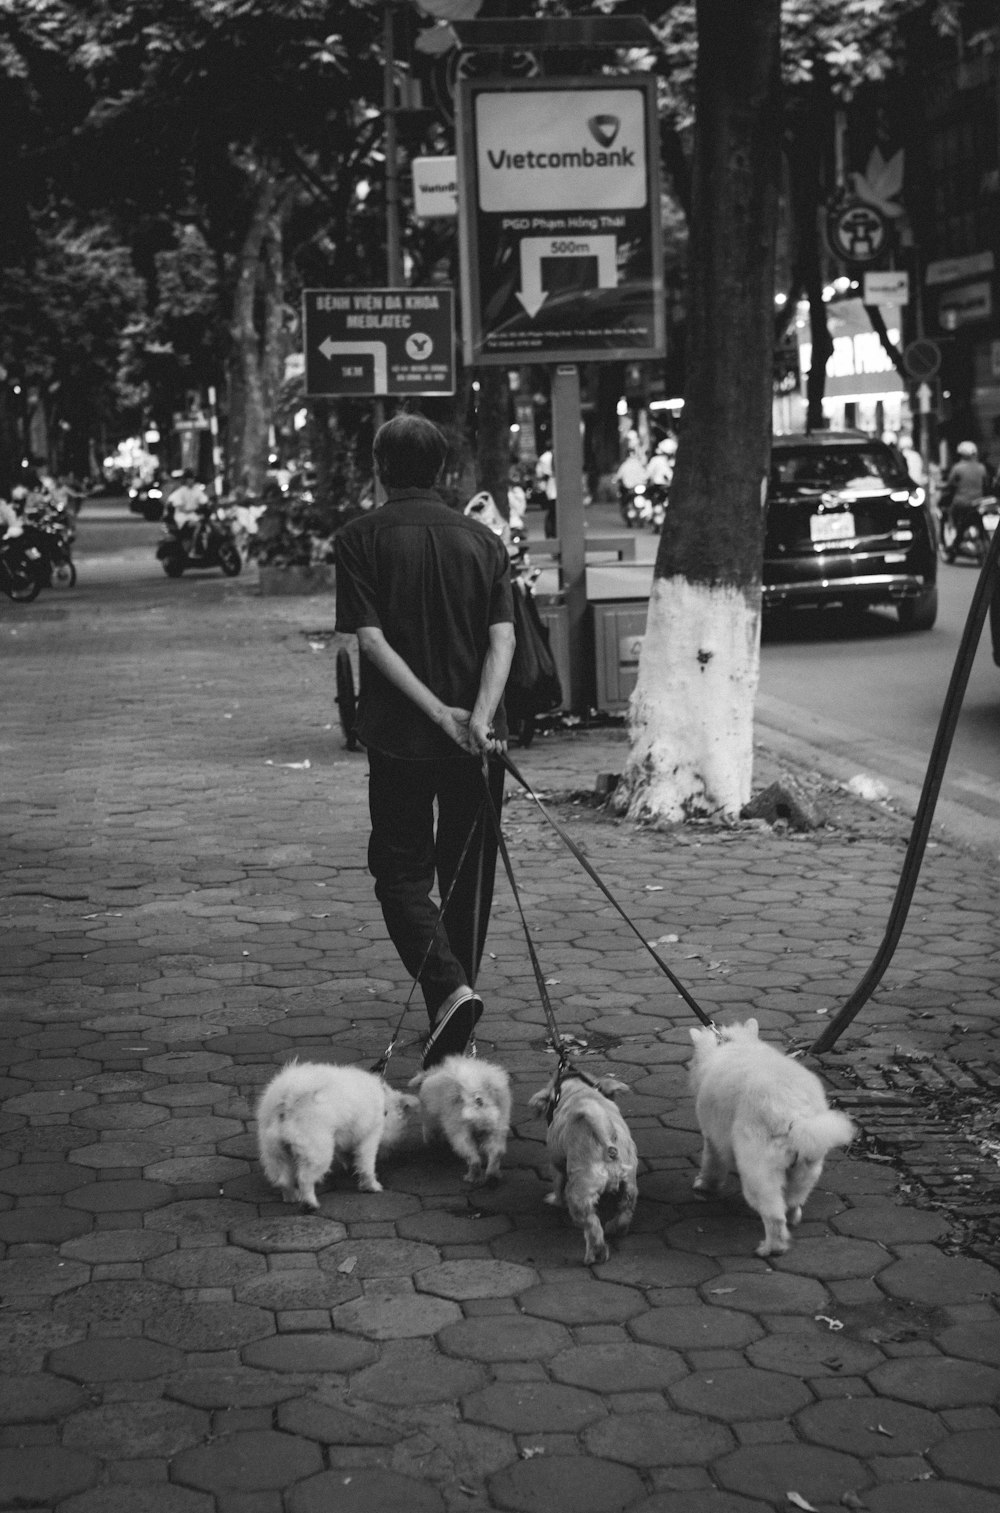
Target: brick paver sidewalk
{"type": "Point", "coordinates": [184, 905]}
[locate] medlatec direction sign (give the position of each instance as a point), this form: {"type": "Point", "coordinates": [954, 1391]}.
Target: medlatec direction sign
{"type": "Point", "coordinates": [559, 220]}
{"type": "Point", "coordinates": [378, 341]}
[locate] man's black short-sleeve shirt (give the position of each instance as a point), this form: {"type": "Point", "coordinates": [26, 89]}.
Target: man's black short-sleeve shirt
{"type": "Point", "coordinates": [433, 581]}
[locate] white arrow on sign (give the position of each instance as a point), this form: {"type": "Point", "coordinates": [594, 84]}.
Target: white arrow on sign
{"type": "Point", "coordinates": [535, 248]}
{"type": "Point", "coordinates": [375, 349]}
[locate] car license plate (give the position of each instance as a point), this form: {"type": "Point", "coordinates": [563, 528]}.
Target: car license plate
{"type": "Point", "coordinates": [838, 527]}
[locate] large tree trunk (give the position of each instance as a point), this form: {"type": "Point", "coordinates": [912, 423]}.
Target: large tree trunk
{"type": "Point", "coordinates": [257, 327]}
{"type": "Point", "coordinates": [691, 715]}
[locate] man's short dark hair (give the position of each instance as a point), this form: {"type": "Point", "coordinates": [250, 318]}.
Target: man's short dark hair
{"type": "Point", "coordinates": [409, 451]}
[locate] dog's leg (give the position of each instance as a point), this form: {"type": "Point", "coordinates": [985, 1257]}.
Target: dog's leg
{"type": "Point", "coordinates": [364, 1163]}
{"type": "Point", "coordinates": [764, 1191]}
{"type": "Point", "coordinates": [713, 1171]}
{"type": "Point", "coordinates": [557, 1196]}
{"type": "Point", "coordinates": [581, 1203]}
{"type": "Point", "coordinates": [494, 1154]}
{"type": "Point", "coordinates": [628, 1196]}
{"type": "Point", "coordinates": [802, 1178]}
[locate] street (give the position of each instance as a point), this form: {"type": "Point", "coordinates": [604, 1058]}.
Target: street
{"type": "Point", "coordinates": [864, 696]}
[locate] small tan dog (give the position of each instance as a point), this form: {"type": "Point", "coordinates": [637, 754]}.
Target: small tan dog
{"type": "Point", "coordinates": [591, 1153]}
{"type": "Point", "coordinates": [468, 1102]}
{"type": "Point", "coordinates": [767, 1116]}
{"type": "Point", "coordinates": [312, 1114]}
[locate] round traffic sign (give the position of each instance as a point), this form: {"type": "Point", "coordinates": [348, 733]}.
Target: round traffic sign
{"type": "Point", "coordinates": [922, 359]}
{"type": "Point", "coordinates": [857, 232]}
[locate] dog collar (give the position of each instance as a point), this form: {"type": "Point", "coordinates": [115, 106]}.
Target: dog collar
{"type": "Point", "coordinates": [564, 1074]}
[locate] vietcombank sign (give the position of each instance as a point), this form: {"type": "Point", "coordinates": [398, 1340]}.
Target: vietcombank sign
{"type": "Point", "coordinates": [559, 224]}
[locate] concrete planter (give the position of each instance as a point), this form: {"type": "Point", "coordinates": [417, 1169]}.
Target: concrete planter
{"type": "Point", "coordinates": [297, 579]}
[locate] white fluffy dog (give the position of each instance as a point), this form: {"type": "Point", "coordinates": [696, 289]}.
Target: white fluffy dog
{"type": "Point", "coordinates": [766, 1115]}
{"type": "Point", "coordinates": [468, 1102]}
{"type": "Point", "coordinates": [312, 1113]}
{"type": "Point", "coordinates": [591, 1153]}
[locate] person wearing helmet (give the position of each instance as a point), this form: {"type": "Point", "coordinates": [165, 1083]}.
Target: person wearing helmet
{"type": "Point", "coordinates": [964, 488]}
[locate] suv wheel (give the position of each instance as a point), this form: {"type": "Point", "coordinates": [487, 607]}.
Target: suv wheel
{"type": "Point", "coordinates": [919, 613]}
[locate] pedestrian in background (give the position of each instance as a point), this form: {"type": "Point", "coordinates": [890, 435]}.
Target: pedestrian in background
{"type": "Point", "coordinates": [427, 590]}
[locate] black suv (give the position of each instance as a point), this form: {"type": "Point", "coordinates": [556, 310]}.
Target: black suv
{"type": "Point", "coordinates": [846, 525]}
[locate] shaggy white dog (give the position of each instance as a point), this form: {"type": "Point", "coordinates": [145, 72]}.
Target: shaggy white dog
{"type": "Point", "coordinates": [312, 1114]}
{"type": "Point", "coordinates": [468, 1102]}
{"type": "Point", "coordinates": [767, 1116]}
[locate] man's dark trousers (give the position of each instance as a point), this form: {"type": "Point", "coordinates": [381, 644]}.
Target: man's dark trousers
{"type": "Point", "coordinates": [405, 853]}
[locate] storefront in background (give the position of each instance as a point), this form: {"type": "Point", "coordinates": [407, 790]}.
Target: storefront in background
{"type": "Point", "coordinates": [863, 389]}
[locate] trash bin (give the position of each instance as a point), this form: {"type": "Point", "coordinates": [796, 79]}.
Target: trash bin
{"type": "Point", "coordinates": [619, 628]}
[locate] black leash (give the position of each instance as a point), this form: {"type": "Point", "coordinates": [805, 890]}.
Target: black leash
{"type": "Point", "coordinates": [591, 872]}
{"type": "Point", "coordinates": [383, 1061]}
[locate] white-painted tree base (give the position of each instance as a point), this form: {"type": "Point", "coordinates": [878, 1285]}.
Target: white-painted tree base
{"type": "Point", "coordinates": [691, 714]}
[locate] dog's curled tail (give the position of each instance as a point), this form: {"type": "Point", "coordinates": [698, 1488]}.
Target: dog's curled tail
{"type": "Point", "coordinates": [813, 1137]}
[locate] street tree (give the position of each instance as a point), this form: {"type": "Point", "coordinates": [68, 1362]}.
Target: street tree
{"type": "Point", "coordinates": [691, 717]}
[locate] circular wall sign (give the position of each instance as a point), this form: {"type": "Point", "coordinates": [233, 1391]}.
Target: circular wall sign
{"type": "Point", "coordinates": [857, 232]}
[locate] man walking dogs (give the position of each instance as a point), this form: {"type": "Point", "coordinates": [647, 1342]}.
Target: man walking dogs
{"type": "Point", "coordinates": [428, 592]}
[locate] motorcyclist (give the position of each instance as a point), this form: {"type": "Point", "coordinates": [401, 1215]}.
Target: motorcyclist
{"type": "Point", "coordinates": [188, 506]}
{"type": "Point", "coordinates": [964, 488]}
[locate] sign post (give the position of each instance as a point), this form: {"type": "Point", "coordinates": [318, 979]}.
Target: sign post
{"type": "Point", "coordinates": [561, 258]}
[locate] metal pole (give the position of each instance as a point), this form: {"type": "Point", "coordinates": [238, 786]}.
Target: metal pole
{"type": "Point", "coordinates": [394, 257]}
{"type": "Point", "coordinates": [567, 448]}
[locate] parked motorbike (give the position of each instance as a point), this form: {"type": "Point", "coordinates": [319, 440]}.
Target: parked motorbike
{"type": "Point", "coordinates": [634, 504]}
{"type": "Point", "coordinates": [208, 543]}
{"type": "Point", "coordinates": [658, 493]}
{"type": "Point", "coordinates": [971, 537]}
{"type": "Point", "coordinates": [50, 527]}
{"type": "Point", "coordinates": [23, 572]}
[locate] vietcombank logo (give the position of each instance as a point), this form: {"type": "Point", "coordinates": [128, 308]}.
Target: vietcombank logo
{"type": "Point", "coordinates": [603, 129]}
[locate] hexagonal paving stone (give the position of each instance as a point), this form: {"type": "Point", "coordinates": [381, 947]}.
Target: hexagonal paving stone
{"type": "Point", "coordinates": [581, 1483]}
{"type": "Point", "coordinates": [363, 1208]}
{"type": "Point", "coordinates": [38, 1178]}
{"type": "Point", "coordinates": [767, 1292]}
{"type": "Point", "coordinates": [104, 1155]}
{"type": "Point", "coordinates": [40, 1274]}
{"type": "Point", "coordinates": [658, 1439]}
{"type": "Point", "coordinates": [191, 1216]}
{"type": "Point", "coordinates": [287, 1291]}
{"type": "Point", "coordinates": [209, 1326]}
{"type": "Point", "coordinates": [708, 1500]}
{"type": "Point", "coordinates": [120, 1197]}
{"type": "Point", "coordinates": [363, 1492]}
{"type": "Point", "coordinates": [644, 1261]}
{"type": "Point", "coordinates": [207, 1266]}
{"type": "Point", "coordinates": [133, 1430]}
{"type": "Point", "coordinates": [926, 1275]}
{"type": "Point", "coordinates": [625, 1367]}
{"type": "Point", "coordinates": [110, 1246]}
{"type": "Point", "coordinates": [972, 1455]}
{"type": "Point", "coordinates": [452, 1226]}
{"type": "Point", "coordinates": [31, 1480]}
{"type": "Point", "coordinates": [696, 1328]}
{"type": "Point", "coordinates": [287, 1232]}
{"type": "Point", "coordinates": [461, 1280]}
{"type": "Point", "coordinates": [305, 1353]}
{"type": "Point", "coordinates": [583, 1301]}
{"type": "Point", "coordinates": [180, 1066]}
{"type": "Point", "coordinates": [42, 1226]}
{"type": "Point", "coordinates": [503, 1337]}
{"type": "Point", "coordinates": [865, 1426]}
{"type": "Point", "coordinates": [379, 1258]}
{"type": "Point", "coordinates": [769, 1471]}
{"type": "Point", "coordinates": [248, 1463]}
{"type": "Point", "coordinates": [833, 1258]}
{"type": "Point", "coordinates": [735, 1232]}
{"type": "Point", "coordinates": [110, 1360]}
{"type": "Point", "coordinates": [533, 1407]}
{"type": "Point", "coordinates": [891, 1223]}
{"type": "Point", "coordinates": [119, 1116]}
{"type": "Point", "coordinates": [414, 1371]}
{"type": "Point", "coordinates": [972, 1342]}
{"type": "Point", "coordinates": [127, 1302]}
{"type": "Point", "coordinates": [396, 1316]}
{"type": "Point", "coordinates": [738, 1393]}
{"type": "Point", "coordinates": [814, 1352]}
{"type": "Point", "coordinates": [333, 1425]}
{"type": "Point", "coordinates": [936, 1382]}
{"type": "Point", "coordinates": [36, 1399]}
